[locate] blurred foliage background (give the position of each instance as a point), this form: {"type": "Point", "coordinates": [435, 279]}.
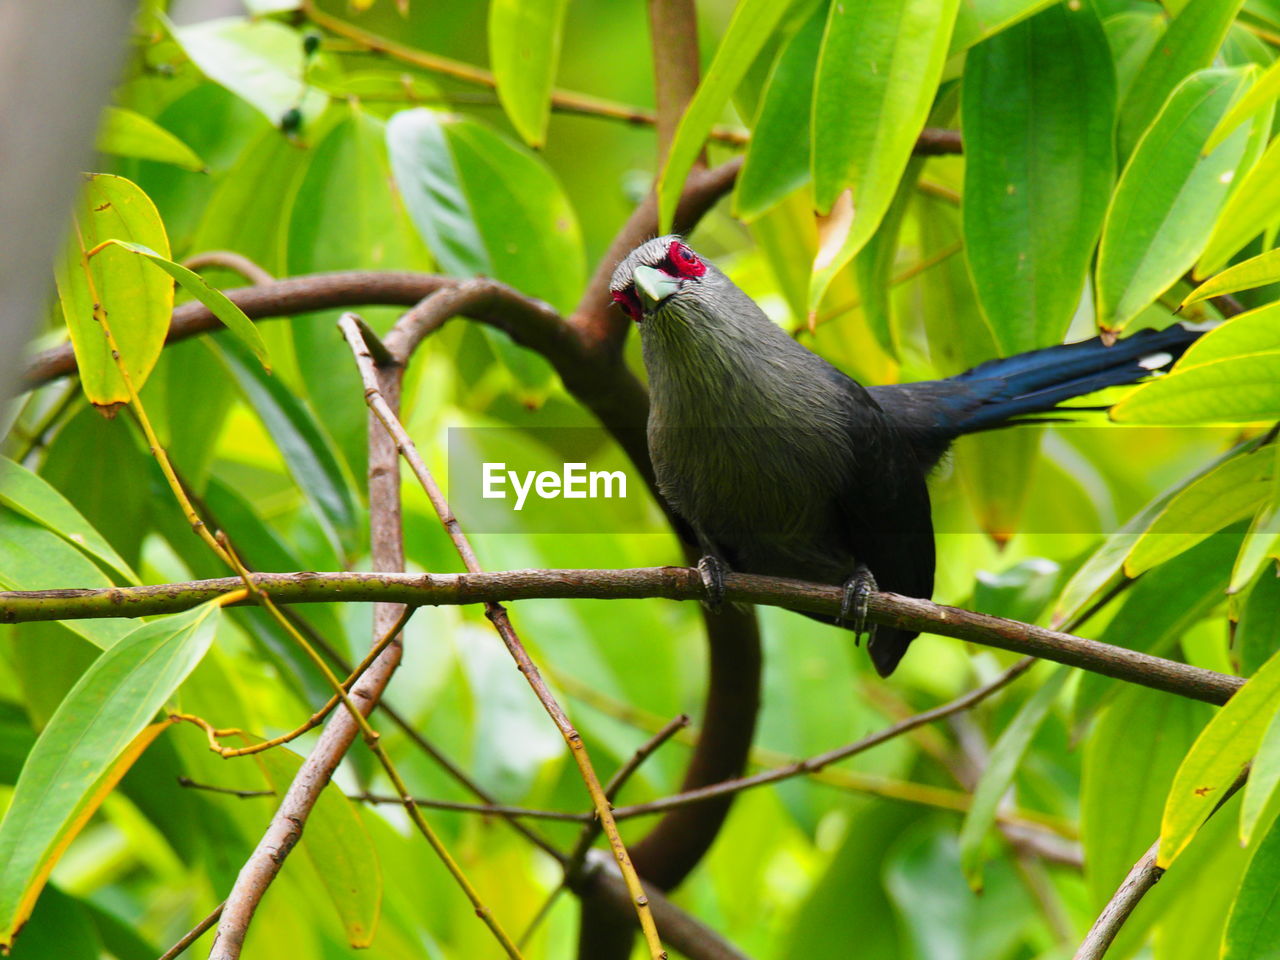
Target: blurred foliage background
{"type": "Point", "coordinates": [1116, 154]}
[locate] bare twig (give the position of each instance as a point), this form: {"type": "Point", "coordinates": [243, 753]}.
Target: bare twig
{"type": "Point", "coordinates": [194, 934]}
{"type": "Point", "coordinates": [674, 583]}
{"type": "Point", "coordinates": [229, 260]}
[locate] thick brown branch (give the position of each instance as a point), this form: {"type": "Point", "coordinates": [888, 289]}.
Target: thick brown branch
{"type": "Point", "coordinates": [674, 583]}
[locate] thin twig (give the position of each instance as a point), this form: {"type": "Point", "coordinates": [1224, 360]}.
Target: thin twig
{"type": "Point", "coordinates": [497, 615]}
{"type": "Point", "coordinates": [229, 260]}
{"type": "Point", "coordinates": [194, 934]}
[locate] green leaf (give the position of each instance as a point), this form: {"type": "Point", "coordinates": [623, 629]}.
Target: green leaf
{"type": "Point", "coordinates": [1253, 927]}
{"type": "Point", "coordinates": [1255, 272]}
{"type": "Point", "coordinates": [977, 20]}
{"type": "Point", "coordinates": [1039, 105]}
{"type": "Point", "coordinates": [1217, 757]}
{"type": "Point", "coordinates": [524, 51]}
{"type": "Point", "coordinates": [306, 449]}
{"type": "Point", "coordinates": [1237, 390]}
{"type": "Point", "coordinates": [1252, 208]}
{"type": "Point", "coordinates": [1190, 43]}
{"type": "Point", "coordinates": [1257, 331]}
{"type": "Point", "coordinates": [485, 205]}
{"type": "Point", "coordinates": [260, 61]}
{"type": "Point", "coordinates": [126, 133]}
{"type": "Point", "coordinates": [879, 68]}
{"type": "Point", "coordinates": [752, 24]}
{"type": "Point", "coordinates": [135, 299]}
{"type": "Point", "coordinates": [338, 847]}
{"type": "Point", "coordinates": [1257, 634]}
{"type": "Point", "coordinates": [34, 558]}
{"type": "Point", "coordinates": [1262, 542]}
{"type": "Point", "coordinates": [232, 317]}
{"type": "Point", "coordinates": [1263, 779]}
{"type": "Point", "coordinates": [1132, 36]}
{"type": "Point", "coordinates": [1259, 97]}
{"type": "Point", "coordinates": [1167, 199]}
{"type": "Point", "coordinates": [30, 495]}
{"type": "Point", "coordinates": [92, 739]}
{"type": "Point", "coordinates": [1126, 778]}
{"type": "Point", "coordinates": [1225, 495]}
{"type": "Point", "coordinates": [1002, 765]}
{"type": "Point", "coordinates": [777, 160]}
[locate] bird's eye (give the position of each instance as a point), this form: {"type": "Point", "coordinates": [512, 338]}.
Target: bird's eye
{"type": "Point", "coordinates": [684, 260]}
{"type": "Point", "coordinates": [628, 301]}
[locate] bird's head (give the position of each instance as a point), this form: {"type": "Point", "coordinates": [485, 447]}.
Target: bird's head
{"type": "Point", "coordinates": [663, 282]}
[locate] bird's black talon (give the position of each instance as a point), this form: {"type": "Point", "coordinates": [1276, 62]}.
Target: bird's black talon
{"type": "Point", "coordinates": [857, 591]}
{"type": "Point", "coordinates": [712, 570]}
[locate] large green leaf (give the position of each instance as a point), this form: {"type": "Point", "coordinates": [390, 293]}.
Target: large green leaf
{"type": "Point", "coordinates": [1243, 390]}
{"type": "Point", "coordinates": [260, 61]}
{"type": "Point", "coordinates": [777, 160]}
{"type": "Point", "coordinates": [94, 736]}
{"type": "Point", "coordinates": [1039, 104]}
{"type": "Point", "coordinates": [135, 299]}
{"type": "Point", "coordinates": [524, 51]}
{"type": "Point", "coordinates": [485, 205]}
{"type": "Point", "coordinates": [1253, 929]}
{"type": "Point", "coordinates": [33, 497]}
{"type": "Point", "coordinates": [1189, 44]}
{"type": "Point", "coordinates": [1225, 495]}
{"type": "Point", "coordinates": [1006, 756]}
{"type": "Point", "coordinates": [127, 133]}
{"type": "Point", "coordinates": [306, 448]}
{"type": "Point", "coordinates": [1217, 758]}
{"type": "Point", "coordinates": [1168, 198]}
{"type": "Point", "coordinates": [1126, 778]}
{"type": "Point", "coordinates": [752, 24]}
{"type": "Point", "coordinates": [1252, 208]}
{"type": "Point", "coordinates": [1257, 331]}
{"type": "Point", "coordinates": [879, 68]}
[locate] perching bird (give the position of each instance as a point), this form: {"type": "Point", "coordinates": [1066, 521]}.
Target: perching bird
{"type": "Point", "coordinates": [787, 467]}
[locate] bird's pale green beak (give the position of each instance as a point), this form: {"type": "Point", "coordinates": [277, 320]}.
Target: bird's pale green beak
{"type": "Point", "coordinates": [653, 286]}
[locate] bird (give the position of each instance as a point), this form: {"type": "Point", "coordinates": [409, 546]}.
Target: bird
{"type": "Point", "coordinates": [783, 465]}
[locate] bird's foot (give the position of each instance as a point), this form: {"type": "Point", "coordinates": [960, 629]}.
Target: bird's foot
{"type": "Point", "coordinates": [857, 591]}
{"type": "Point", "coordinates": [712, 570]}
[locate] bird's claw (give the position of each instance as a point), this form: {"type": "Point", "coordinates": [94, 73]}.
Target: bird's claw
{"type": "Point", "coordinates": [857, 591]}
{"type": "Point", "coordinates": [712, 570]}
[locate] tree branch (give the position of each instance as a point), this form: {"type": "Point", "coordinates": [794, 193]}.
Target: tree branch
{"type": "Point", "coordinates": [672, 583]}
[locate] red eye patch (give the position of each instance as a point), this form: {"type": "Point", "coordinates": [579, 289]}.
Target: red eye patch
{"type": "Point", "coordinates": [628, 301]}
{"type": "Point", "coordinates": [684, 260]}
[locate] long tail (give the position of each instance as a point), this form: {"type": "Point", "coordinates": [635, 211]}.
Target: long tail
{"type": "Point", "coordinates": [933, 413]}
{"type": "Point", "coordinates": [1038, 381]}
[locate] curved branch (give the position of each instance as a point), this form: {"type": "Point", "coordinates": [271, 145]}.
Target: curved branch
{"type": "Point", "coordinates": [672, 583]}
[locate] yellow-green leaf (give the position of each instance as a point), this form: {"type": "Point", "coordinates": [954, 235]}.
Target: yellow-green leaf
{"type": "Point", "coordinates": [1254, 272]}
{"type": "Point", "coordinates": [135, 300]}
{"type": "Point", "coordinates": [232, 317]}
{"type": "Point", "coordinates": [524, 51]}
{"type": "Point", "coordinates": [1261, 95]}
{"type": "Point", "coordinates": [1257, 331]}
{"type": "Point", "coordinates": [1237, 390]}
{"type": "Point", "coordinates": [1217, 757]}
{"type": "Point", "coordinates": [1225, 495]}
